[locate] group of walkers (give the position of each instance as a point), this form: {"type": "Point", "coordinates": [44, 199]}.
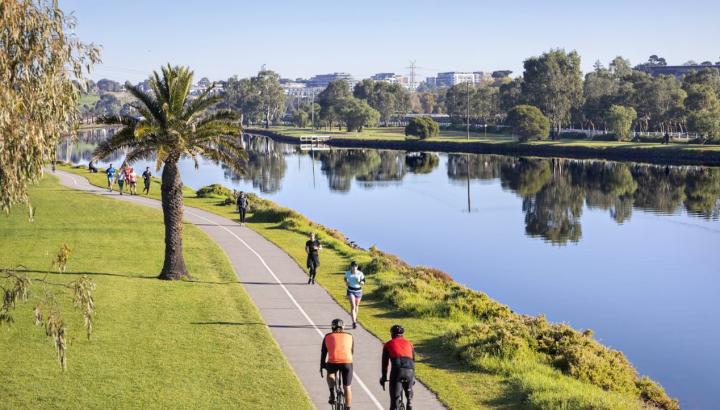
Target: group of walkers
{"type": "Point", "coordinates": [126, 176]}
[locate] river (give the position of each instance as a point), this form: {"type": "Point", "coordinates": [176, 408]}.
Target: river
{"type": "Point", "coordinates": [628, 250]}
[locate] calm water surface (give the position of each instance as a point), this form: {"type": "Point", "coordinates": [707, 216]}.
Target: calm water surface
{"type": "Point", "coordinates": [628, 250]}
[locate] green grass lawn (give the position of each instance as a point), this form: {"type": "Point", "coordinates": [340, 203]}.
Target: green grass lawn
{"type": "Point", "coordinates": [398, 134]}
{"type": "Point", "coordinates": [153, 345]}
{"type": "Point", "coordinates": [88, 99]}
{"type": "Point", "coordinates": [391, 133]}
{"type": "Point", "coordinates": [457, 385]}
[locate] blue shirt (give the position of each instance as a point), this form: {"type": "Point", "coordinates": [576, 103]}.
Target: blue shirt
{"type": "Point", "coordinates": [110, 172]}
{"type": "Point", "coordinates": [354, 281]}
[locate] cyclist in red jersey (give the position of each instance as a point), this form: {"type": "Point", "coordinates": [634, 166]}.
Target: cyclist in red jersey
{"type": "Point", "coordinates": [399, 352]}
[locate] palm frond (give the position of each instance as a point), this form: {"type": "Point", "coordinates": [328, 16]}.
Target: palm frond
{"type": "Point", "coordinates": [153, 108]}
{"type": "Point", "coordinates": [125, 138]}
{"type": "Point", "coordinates": [198, 106]}
{"type": "Point", "coordinates": [126, 120]}
{"type": "Point", "coordinates": [226, 157]}
{"type": "Point", "coordinates": [144, 153]}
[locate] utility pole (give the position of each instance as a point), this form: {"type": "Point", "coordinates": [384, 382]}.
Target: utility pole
{"type": "Point", "coordinates": [312, 110]}
{"type": "Point", "coordinates": [467, 108]}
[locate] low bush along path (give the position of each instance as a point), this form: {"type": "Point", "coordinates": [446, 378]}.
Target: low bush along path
{"type": "Point", "coordinates": [298, 315]}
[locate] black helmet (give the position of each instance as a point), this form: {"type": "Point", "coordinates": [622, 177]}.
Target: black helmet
{"type": "Point", "coordinates": [396, 330]}
{"type": "Point", "coordinates": [337, 324]}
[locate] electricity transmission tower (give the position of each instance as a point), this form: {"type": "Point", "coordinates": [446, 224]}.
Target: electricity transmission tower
{"type": "Point", "coordinates": [412, 67]}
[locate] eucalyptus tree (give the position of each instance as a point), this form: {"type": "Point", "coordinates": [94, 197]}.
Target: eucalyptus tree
{"type": "Point", "coordinates": [553, 83]}
{"type": "Point", "coordinates": [173, 127]}
{"type": "Point", "coordinates": [269, 96]}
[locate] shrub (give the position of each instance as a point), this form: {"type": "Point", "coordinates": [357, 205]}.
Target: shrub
{"type": "Point", "coordinates": [527, 121]}
{"type": "Point", "coordinates": [214, 191]}
{"type": "Point", "coordinates": [422, 127]}
{"type": "Point", "coordinates": [652, 393]}
{"type": "Point", "coordinates": [619, 119]}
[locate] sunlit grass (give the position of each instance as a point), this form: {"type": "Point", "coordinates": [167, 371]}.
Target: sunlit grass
{"type": "Point", "coordinates": [155, 344]}
{"type": "Point", "coordinates": [503, 383]}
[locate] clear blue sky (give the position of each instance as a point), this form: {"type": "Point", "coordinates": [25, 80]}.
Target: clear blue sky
{"type": "Point", "coordinates": [301, 38]}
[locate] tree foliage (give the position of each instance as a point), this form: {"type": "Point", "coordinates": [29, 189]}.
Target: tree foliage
{"type": "Point", "coordinates": [528, 122]}
{"type": "Point", "coordinates": [422, 127]}
{"type": "Point", "coordinates": [42, 67]}
{"type": "Point", "coordinates": [173, 126]}
{"type": "Point", "coordinates": [16, 288]}
{"type": "Point", "coordinates": [619, 120]}
{"type": "Point", "coordinates": [356, 114]}
{"type": "Point", "coordinates": [388, 99]}
{"type": "Point", "coordinates": [553, 83]}
{"type": "Point", "coordinates": [328, 101]}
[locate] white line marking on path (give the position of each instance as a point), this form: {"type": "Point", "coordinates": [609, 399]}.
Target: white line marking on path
{"type": "Point", "coordinates": [287, 292]}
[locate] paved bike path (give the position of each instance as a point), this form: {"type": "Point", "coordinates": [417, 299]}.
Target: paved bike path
{"type": "Point", "coordinates": [297, 314]}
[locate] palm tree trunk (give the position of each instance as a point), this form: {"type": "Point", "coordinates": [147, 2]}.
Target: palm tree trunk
{"type": "Point", "coordinates": [172, 204]}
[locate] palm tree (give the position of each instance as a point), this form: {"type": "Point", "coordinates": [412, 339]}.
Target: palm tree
{"type": "Point", "coordinates": [172, 127]}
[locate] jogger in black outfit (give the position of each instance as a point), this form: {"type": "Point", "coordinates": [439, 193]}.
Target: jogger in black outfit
{"type": "Point", "coordinates": [242, 203]}
{"type": "Point", "coordinates": [312, 247]}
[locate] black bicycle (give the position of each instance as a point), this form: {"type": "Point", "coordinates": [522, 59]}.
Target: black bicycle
{"type": "Point", "coordinates": [403, 381]}
{"type": "Point", "coordinates": [339, 393]}
{"type": "Point", "coordinates": [339, 403]}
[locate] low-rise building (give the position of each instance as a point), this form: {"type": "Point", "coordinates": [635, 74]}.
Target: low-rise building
{"type": "Point", "coordinates": [322, 80]}
{"type": "Point", "coordinates": [391, 78]}
{"type": "Point", "coordinates": [451, 78]}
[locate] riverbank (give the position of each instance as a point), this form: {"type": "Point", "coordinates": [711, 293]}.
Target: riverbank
{"type": "Point", "coordinates": [149, 348]}
{"type": "Point", "coordinates": [475, 351]}
{"type": "Point", "coordinates": [455, 141]}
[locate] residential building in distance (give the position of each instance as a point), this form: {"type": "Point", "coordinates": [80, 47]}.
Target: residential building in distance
{"type": "Point", "coordinates": [451, 78]}
{"type": "Point", "coordinates": [322, 80]}
{"type": "Point", "coordinates": [391, 78]}
{"type": "Point", "coordinates": [674, 70]}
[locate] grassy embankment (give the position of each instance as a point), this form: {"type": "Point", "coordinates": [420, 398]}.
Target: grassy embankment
{"type": "Point", "coordinates": [154, 344]}
{"type": "Point", "coordinates": [455, 141]}
{"type": "Point", "coordinates": [476, 353]}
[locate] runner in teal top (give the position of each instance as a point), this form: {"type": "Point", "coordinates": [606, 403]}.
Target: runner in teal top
{"type": "Point", "coordinates": [354, 279]}
{"type": "Point", "coordinates": [110, 172]}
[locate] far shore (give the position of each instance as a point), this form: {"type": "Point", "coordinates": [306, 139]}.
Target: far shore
{"type": "Point", "coordinates": [392, 138]}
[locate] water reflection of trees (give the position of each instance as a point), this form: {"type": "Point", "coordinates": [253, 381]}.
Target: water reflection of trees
{"type": "Point", "coordinates": [553, 191]}
{"type": "Point", "coordinates": [372, 167]}
{"type": "Point", "coordinates": [265, 166]}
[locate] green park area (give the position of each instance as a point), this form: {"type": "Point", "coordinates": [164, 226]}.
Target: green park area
{"type": "Point", "coordinates": [153, 342]}
{"type": "Point", "coordinates": [474, 352]}
{"type": "Point", "coordinates": [454, 140]}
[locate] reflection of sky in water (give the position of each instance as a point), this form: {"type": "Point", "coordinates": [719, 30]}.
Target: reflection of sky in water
{"type": "Point", "coordinates": [647, 286]}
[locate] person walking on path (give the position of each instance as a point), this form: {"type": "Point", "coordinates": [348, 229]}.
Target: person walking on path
{"type": "Point", "coordinates": [312, 248]}
{"type": "Point", "coordinates": [147, 177]}
{"type": "Point", "coordinates": [355, 279]}
{"type": "Point", "coordinates": [110, 172]}
{"type": "Point", "coordinates": [399, 353]}
{"type": "Point", "coordinates": [121, 180]}
{"type": "Point", "coordinates": [131, 178]}
{"type": "Point", "coordinates": [666, 138]}
{"type": "Point", "coordinates": [336, 356]}
{"type": "Point", "coordinates": [242, 204]}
